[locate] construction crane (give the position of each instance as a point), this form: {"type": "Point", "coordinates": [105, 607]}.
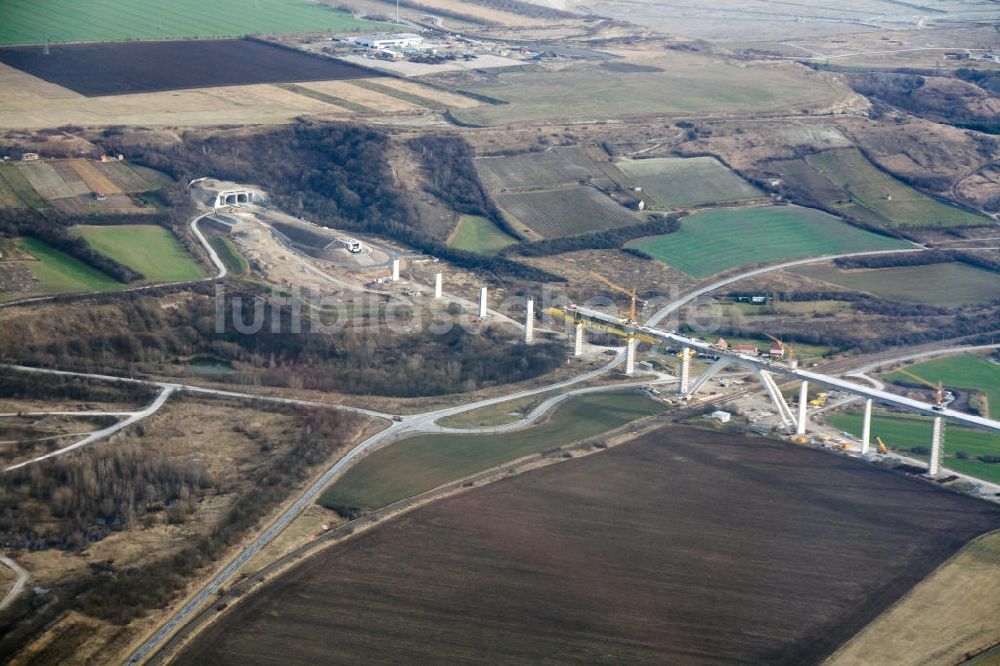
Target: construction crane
{"type": "Point", "coordinates": [784, 348]}
{"type": "Point", "coordinates": [631, 293]}
{"type": "Point", "coordinates": [882, 448]}
{"type": "Point", "coordinates": [938, 388]}
{"type": "Point", "coordinates": [819, 400]}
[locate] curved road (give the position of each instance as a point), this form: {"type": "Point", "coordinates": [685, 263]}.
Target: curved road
{"type": "Point", "coordinates": [20, 580]}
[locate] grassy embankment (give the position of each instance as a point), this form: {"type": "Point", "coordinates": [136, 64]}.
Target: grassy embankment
{"type": "Point", "coordinates": [147, 248]}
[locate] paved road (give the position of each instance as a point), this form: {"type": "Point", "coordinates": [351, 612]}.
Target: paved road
{"type": "Point", "coordinates": [20, 580]}
{"type": "Point", "coordinates": [674, 305]}
{"type": "Point", "coordinates": [104, 433]}
{"type": "Point", "coordinates": [208, 248]}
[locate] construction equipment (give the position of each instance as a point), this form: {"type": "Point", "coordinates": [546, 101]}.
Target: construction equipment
{"type": "Point", "coordinates": [938, 388]}
{"type": "Point", "coordinates": [631, 293]}
{"type": "Point", "coordinates": [607, 328]}
{"type": "Point", "coordinates": [787, 350]}
{"type": "Point", "coordinates": [882, 448]}
{"type": "Point", "coordinates": [819, 400]}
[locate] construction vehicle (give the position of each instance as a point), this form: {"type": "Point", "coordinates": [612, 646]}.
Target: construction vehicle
{"type": "Point", "coordinates": [882, 448]}
{"type": "Point", "coordinates": [938, 388]}
{"type": "Point", "coordinates": [819, 400]}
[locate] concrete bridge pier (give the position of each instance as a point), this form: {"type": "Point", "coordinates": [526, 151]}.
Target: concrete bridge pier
{"type": "Point", "coordinates": [482, 303]}
{"type": "Point", "coordinates": [685, 371]}
{"type": "Point", "coordinates": [529, 321]}
{"type": "Point", "coordinates": [866, 428]}
{"type": "Point", "coordinates": [937, 444]}
{"type": "Point", "coordinates": [437, 286]}
{"type": "Point", "coordinates": [630, 356]}
{"type": "Point", "coordinates": [578, 339]}
{"type": "Point", "coordinates": [800, 424]}
{"type": "Point", "coordinates": [395, 270]}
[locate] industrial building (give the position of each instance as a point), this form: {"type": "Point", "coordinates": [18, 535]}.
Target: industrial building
{"type": "Point", "coordinates": [401, 40]}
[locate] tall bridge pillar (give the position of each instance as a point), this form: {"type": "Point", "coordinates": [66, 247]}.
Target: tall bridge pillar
{"type": "Point", "coordinates": [577, 339]}
{"type": "Point", "coordinates": [482, 303]}
{"type": "Point", "coordinates": [529, 321]}
{"type": "Point", "coordinates": [630, 356]}
{"type": "Point", "coordinates": [866, 428]}
{"type": "Point", "coordinates": [800, 425]}
{"type": "Point", "coordinates": [437, 286]}
{"type": "Point", "coordinates": [685, 370]}
{"type": "Point", "coordinates": [937, 444]}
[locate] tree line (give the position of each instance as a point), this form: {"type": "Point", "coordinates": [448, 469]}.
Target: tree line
{"type": "Point", "coordinates": [598, 240]}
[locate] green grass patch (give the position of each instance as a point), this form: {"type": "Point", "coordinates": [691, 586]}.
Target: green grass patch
{"type": "Point", "coordinates": [418, 464]}
{"type": "Point", "coordinates": [16, 184]}
{"type": "Point", "coordinates": [147, 248]}
{"type": "Point", "coordinates": [678, 182]}
{"type": "Point", "coordinates": [961, 372]}
{"type": "Point", "coordinates": [894, 201]}
{"type": "Point", "coordinates": [230, 256]}
{"type": "Point", "coordinates": [478, 234]}
{"type": "Point", "coordinates": [904, 432]}
{"type": "Point", "coordinates": [58, 273]}
{"type": "Point", "coordinates": [30, 21]}
{"type": "Point", "coordinates": [714, 241]}
{"type": "Point", "coordinates": [948, 284]}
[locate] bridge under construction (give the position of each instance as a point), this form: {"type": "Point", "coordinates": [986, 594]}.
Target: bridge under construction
{"type": "Point", "coordinates": [766, 369]}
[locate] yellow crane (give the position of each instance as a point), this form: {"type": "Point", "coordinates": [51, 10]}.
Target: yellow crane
{"type": "Point", "coordinates": [789, 350]}
{"type": "Point", "coordinates": [631, 293]}
{"type": "Point", "coordinates": [882, 448]}
{"type": "Point", "coordinates": [938, 388]}
{"type": "Point", "coordinates": [601, 326]}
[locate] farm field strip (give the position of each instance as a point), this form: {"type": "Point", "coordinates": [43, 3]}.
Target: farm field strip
{"type": "Point", "coordinates": [30, 21]}
{"type": "Point", "coordinates": [337, 102]}
{"type": "Point", "coordinates": [404, 95]}
{"type": "Point", "coordinates": [714, 241]}
{"type": "Point", "coordinates": [46, 181]}
{"type": "Point", "coordinates": [94, 179]}
{"type": "Point", "coordinates": [908, 432]}
{"type": "Point", "coordinates": [415, 465]}
{"type": "Point", "coordinates": [555, 167]}
{"type": "Point", "coordinates": [566, 212]}
{"type": "Point", "coordinates": [111, 69]}
{"type": "Point", "coordinates": [893, 200]}
{"type": "Point", "coordinates": [945, 284]}
{"type": "Point", "coordinates": [20, 187]}
{"type": "Point", "coordinates": [373, 101]}
{"type": "Point", "coordinates": [670, 183]}
{"type": "Point", "coordinates": [442, 97]}
{"type": "Point", "coordinates": [147, 248]}
{"type": "Point", "coordinates": [70, 177]}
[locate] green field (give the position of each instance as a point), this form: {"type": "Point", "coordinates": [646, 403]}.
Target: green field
{"type": "Point", "coordinates": [714, 241]}
{"type": "Point", "coordinates": [686, 85]}
{"type": "Point", "coordinates": [477, 234]}
{"type": "Point", "coordinates": [676, 182]}
{"type": "Point", "coordinates": [968, 372]}
{"type": "Point", "coordinates": [905, 432]}
{"type": "Point", "coordinates": [230, 256]}
{"type": "Point", "coordinates": [58, 272]}
{"type": "Point", "coordinates": [418, 464]}
{"type": "Point", "coordinates": [147, 248]}
{"type": "Point", "coordinates": [897, 203]}
{"type": "Point", "coordinates": [935, 284]}
{"type": "Point", "coordinates": [31, 21]}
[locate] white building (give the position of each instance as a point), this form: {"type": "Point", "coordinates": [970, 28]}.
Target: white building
{"type": "Point", "coordinates": [720, 416]}
{"type": "Point", "coordinates": [400, 40]}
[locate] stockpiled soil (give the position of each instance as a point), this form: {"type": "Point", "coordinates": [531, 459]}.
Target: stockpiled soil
{"type": "Point", "coordinates": [684, 546]}
{"type": "Point", "coordinates": [138, 67]}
